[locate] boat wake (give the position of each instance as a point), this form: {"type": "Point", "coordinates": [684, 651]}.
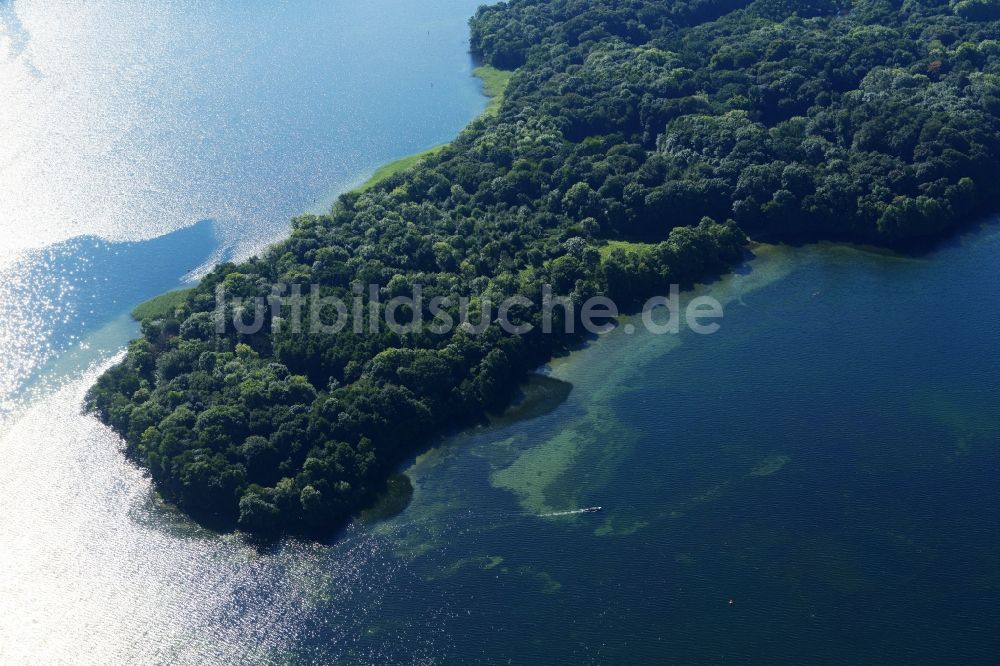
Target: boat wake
{"type": "Point", "coordinates": [574, 512]}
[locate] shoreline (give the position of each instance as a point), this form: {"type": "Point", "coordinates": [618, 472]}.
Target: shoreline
{"type": "Point", "coordinates": [501, 237]}
{"type": "Point", "coordinates": [536, 394]}
{"type": "Point", "coordinates": [494, 85]}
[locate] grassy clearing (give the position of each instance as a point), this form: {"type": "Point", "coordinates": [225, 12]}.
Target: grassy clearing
{"type": "Point", "coordinates": [495, 83]}
{"type": "Point", "coordinates": [628, 246]}
{"type": "Point", "coordinates": [162, 306]}
{"type": "Point", "coordinates": [398, 166]}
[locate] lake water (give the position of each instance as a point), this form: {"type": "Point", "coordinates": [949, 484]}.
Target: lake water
{"type": "Point", "coordinates": [828, 462]}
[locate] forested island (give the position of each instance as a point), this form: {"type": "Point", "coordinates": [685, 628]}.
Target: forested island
{"type": "Point", "coordinates": [638, 144]}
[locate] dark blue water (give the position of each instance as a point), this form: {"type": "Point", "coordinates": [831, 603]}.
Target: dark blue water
{"type": "Point", "coordinates": [828, 462]}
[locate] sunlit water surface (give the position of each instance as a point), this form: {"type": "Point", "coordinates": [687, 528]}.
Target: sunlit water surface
{"type": "Point", "coordinates": [827, 461]}
{"type": "Point", "coordinates": [127, 120]}
{"type": "Point", "coordinates": [124, 121]}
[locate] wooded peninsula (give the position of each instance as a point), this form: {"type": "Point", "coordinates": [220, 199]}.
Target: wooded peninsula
{"type": "Point", "coordinates": [638, 144]}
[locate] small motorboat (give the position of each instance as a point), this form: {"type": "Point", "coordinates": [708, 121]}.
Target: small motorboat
{"type": "Point", "coordinates": [593, 509]}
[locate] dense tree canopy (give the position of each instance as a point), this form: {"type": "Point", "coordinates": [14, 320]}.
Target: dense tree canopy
{"type": "Point", "coordinates": [637, 120]}
{"type": "Point", "coordinates": [866, 120]}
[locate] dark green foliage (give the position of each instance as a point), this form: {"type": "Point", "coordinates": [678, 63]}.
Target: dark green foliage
{"type": "Point", "coordinates": [872, 120]}
{"type": "Point", "coordinates": [977, 10]}
{"type": "Point", "coordinates": [627, 120]}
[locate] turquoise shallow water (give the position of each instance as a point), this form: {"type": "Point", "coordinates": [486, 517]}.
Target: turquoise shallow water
{"type": "Point", "coordinates": [827, 461]}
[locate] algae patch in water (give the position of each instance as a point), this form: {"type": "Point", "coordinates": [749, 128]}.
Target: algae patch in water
{"type": "Point", "coordinates": [770, 465]}
{"type": "Point", "coordinates": [538, 468]}
{"type": "Point", "coordinates": [971, 419]}
{"type": "Point", "coordinates": [618, 526]}
{"type": "Point", "coordinates": [484, 562]}
{"type": "Point", "coordinates": [581, 458]}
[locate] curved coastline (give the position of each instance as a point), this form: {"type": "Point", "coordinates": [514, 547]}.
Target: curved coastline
{"type": "Point", "coordinates": [511, 204]}
{"type": "Point", "coordinates": [536, 396]}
